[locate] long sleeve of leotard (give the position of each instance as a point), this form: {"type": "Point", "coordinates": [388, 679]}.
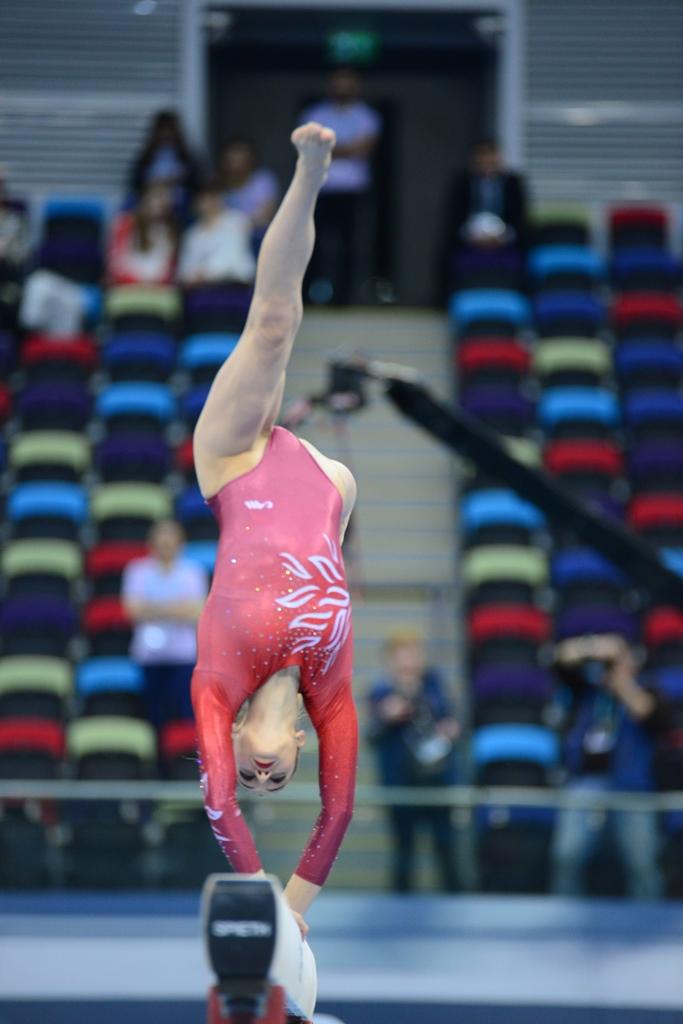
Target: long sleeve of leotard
{"type": "Point", "coordinates": [337, 727]}
{"type": "Point", "coordinates": [215, 718]}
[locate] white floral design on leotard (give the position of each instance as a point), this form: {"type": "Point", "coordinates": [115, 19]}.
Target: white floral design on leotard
{"type": "Point", "coordinates": [329, 625]}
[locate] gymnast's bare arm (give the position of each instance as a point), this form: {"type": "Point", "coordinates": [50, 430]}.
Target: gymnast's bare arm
{"type": "Point", "coordinates": [245, 396]}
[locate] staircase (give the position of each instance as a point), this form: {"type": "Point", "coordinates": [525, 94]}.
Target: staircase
{"type": "Point", "coordinates": [400, 559]}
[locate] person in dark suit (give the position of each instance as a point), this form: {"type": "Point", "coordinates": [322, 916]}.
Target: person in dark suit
{"type": "Point", "coordinates": [486, 208]}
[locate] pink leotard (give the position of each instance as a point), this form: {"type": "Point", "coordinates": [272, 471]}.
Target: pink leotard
{"type": "Point", "coordinates": [279, 597]}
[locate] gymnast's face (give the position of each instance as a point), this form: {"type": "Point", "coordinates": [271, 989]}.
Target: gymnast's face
{"type": "Point", "coordinates": [266, 759]}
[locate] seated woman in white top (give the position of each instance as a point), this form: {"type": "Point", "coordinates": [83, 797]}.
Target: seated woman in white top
{"type": "Point", "coordinates": [218, 247]}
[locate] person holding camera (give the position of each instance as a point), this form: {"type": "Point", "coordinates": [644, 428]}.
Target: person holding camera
{"type": "Point", "coordinates": [414, 732]}
{"type": "Point", "coordinates": [610, 724]}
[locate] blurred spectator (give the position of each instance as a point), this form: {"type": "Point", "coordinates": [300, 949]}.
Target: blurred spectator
{"type": "Point", "coordinates": [218, 247]}
{"type": "Point", "coordinates": [165, 157]}
{"type": "Point", "coordinates": [413, 730]}
{"type": "Point", "coordinates": [163, 594]}
{"type": "Point", "coordinates": [610, 725]}
{"type": "Point", "coordinates": [144, 240]}
{"type": "Point", "coordinates": [251, 189]}
{"type": "Point", "coordinates": [357, 126]}
{"type": "Point", "coordinates": [488, 202]}
{"type": "Point", "coordinates": [13, 252]}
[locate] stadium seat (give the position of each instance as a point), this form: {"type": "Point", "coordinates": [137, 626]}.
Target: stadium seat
{"type": "Point", "coordinates": [56, 455]}
{"type": "Point", "coordinates": [560, 225]}
{"type": "Point", "coordinates": [49, 509]}
{"type": "Point", "coordinates": [45, 567]}
{"type": "Point", "coordinates": [73, 219]}
{"type": "Point", "coordinates": [50, 359]}
{"type": "Point", "coordinates": [561, 313]}
{"type": "Point", "coordinates": [125, 511]}
{"type": "Point", "coordinates": [184, 460]}
{"type": "Point", "coordinates": [658, 518]}
{"type": "Point", "coordinates": [36, 625]}
{"type": "Point", "coordinates": [110, 686]}
{"type": "Point", "coordinates": [595, 619]}
{"type": "Point", "coordinates": [503, 409]}
{"type": "Point", "coordinates": [565, 267]}
{"type": "Point", "coordinates": [572, 362]}
{"type": "Point", "coordinates": [178, 750]}
{"type": "Point", "coordinates": [51, 405]}
{"type": "Point", "coordinates": [111, 747]}
{"type": "Point", "coordinates": [503, 573]}
{"type": "Point", "coordinates": [513, 849]}
{"type": "Point", "coordinates": [141, 356]}
{"type": "Point", "coordinates": [192, 403]}
{"type": "Point", "coordinates": [586, 467]}
{"type": "Point", "coordinates": [107, 627]}
{"type": "Point", "coordinates": [515, 755]}
{"type": "Point", "coordinates": [649, 364]}
{"type": "Point", "coordinates": [645, 270]}
{"type": "Point", "coordinates": [105, 563]}
{"type": "Point", "coordinates": [31, 748]}
{"type": "Point", "coordinates": [500, 362]}
{"type": "Point", "coordinates": [663, 637]}
{"type": "Point", "coordinates": [201, 355]}
{"type": "Point", "coordinates": [195, 516]}
{"type": "Point", "coordinates": [35, 686]}
{"type": "Point", "coordinates": [668, 681]}
{"type": "Point", "coordinates": [129, 456]}
{"type": "Point", "coordinates": [78, 259]}
{"type": "Point", "coordinates": [216, 308]}
{"type": "Point", "coordinates": [633, 227]}
{"type": "Point", "coordinates": [135, 406]}
{"type": "Point", "coordinates": [8, 353]}
{"type": "Point", "coordinates": [132, 308]}
{"type": "Point", "coordinates": [673, 557]}
{"type": "Point", "coordinates": [497, 516]}
{"type": "Point", "coordinates": [583, 577]}
{"type": "Point", "coordinates": [646, 314]}
{"type": "Point", "coordinates": [204, 552]}
{"type": "Point", "coordinates": [506, 634]}
{"type": "Point", "coordinates": [654, 415]}
{"type": "Point", "coordinates": [5, 403]}
{"type": "Point", "coordinates": [488, 311]}
{"type": "Point", "coordinates": [578, 412]}
{"type": "Point", "coordinates": [491, 268]}
{"type": "Point", "coordinates": [524, 682]}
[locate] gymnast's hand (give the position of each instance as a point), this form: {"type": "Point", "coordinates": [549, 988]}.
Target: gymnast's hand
{"type": "Point", "coordinates": [314, 144]}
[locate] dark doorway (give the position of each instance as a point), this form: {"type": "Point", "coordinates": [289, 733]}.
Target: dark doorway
{"type": "Point", "coordinates": [431, 77]}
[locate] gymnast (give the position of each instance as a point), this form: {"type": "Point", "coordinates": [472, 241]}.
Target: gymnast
{"type": "Point", "coordinates": [276, 627]}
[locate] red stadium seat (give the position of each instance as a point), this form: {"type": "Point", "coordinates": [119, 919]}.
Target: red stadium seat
{"type": "Point", "coordinates": [178, 739]}
{"type": "Point", "coordinates": [184, 456]}
{"type": "Point", "coordinates": [105, 563]}
{"type": "Point", "coordinates": [5, 403]}
{"type": "Point", "coordinates": [485, 353]}
{"type": "Point", "coordinates": [663, 626]}
{"type": "Point", "coordinates": [651, 510]}
{"type": "Point", "coordinates": [32, 735]}
{"type": "Point", "coordinates": [107, 626]}
{"type": "Point", "coordinates": [576, 456]}
{"type": "Point", "coordinates": [497, 620]}
{"type": "Point", "coordinates": [39, 352]}
{"type": "Point", "coordinates": [633, 226]}
{"type": "Point", "coordinates": [647, 308]}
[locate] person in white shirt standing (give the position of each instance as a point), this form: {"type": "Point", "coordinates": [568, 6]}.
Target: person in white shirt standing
{"type": "Point", "coordinates": [357, 127]}
{"type": "Point", "coordinates": [217, 249]}
{"type": "Point", "coordinates": [163, 595]}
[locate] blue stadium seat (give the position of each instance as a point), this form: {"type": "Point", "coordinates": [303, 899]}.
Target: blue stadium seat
{"type": "Point", "coordinates": [192, 403]}
{"type": "Point", "coordinates": [650, 407]}
{"type": "Point", "coordinates": [202, 350]}
{"type": "Point", "coordinates": [73, 206]}
{"type": "Point", "coordinates": [515, 743]}
{"type": "Point", "coordinates": [191, 504]}
{"type": "Point", "coordinates": [673, 557]}
{"type": "Point", "coordinates": [645, 269]}
{"type": "Point", "coordinates": [138, 398]}
{"type": "Point", "coordinates": [488, 305]}
{"type": "Point", "coordinates": [51, 500]}
{"type": "Point", "coordinates": [593, 405]}
{"type": "Point", "coordinates": [656, 357]}
{"type": "Point", "coordinates": [551, 260]}
{"type": "Point", "coordinates": [567, 313]}
{"type": "Point", "coordinates": [669, 681]}
{"type": "Point", "coordinates": [108, 674]}
{"type": "Point", "coordinates": [583, 565]}
{"type": "Point", "coordinates": [498, 507]}
{"type": "Point", "coordinates": [202, 551]}
{"type": "Point", "coordinates": [127, 353]}
{"type": "Point", "coordinates": [92, 300]}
